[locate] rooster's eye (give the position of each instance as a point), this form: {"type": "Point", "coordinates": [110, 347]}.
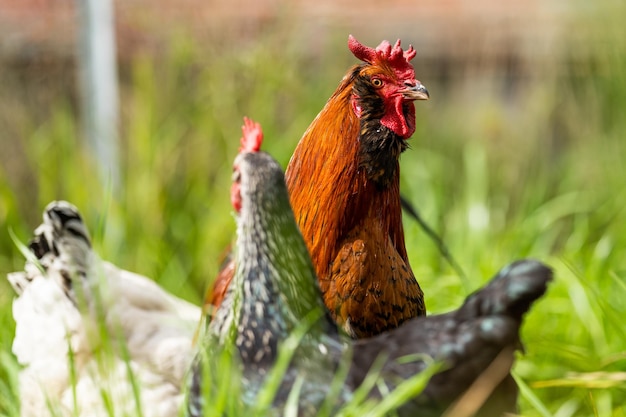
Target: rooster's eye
{"type": "Point", "coordinates": [377, 82]}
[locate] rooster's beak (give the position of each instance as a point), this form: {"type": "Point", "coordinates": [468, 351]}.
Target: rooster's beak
{"type": "Point", "coordinates": [415, 92]}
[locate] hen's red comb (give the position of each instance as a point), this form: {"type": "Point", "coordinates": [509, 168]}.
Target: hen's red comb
{"type": "Point", "coordinates": [252, 136]}
{"type": "Point", "coordinates": [394, 56]}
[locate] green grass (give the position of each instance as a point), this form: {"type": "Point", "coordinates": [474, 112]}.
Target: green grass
{"type": "Point", "coordinates": [540, 174]}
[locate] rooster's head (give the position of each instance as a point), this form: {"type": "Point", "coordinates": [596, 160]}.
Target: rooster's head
{"type": "Point", "coordinates": [389, 74]}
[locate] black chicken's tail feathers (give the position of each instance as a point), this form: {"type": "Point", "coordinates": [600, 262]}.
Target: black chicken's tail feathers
{"type": "Point", "coordinates": [511, 292]}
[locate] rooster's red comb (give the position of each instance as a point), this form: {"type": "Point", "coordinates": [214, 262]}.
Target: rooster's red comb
{"type": "Point", "coordinates": [394, 56]}
{"type": "Point", "coordinates": [252, 136]}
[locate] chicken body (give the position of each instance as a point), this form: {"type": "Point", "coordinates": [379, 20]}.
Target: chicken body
{"type": "Point", "coordinates": [475, 343]}
{"type": "Point", "coordinates": [274, 291]}
{"type": "Point", "coordinates": [344, 186]}
{"type": "Point", "coordinates": [83, 325]}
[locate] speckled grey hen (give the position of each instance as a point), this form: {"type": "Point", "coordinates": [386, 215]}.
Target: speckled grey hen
{"type": "Point", "coordinates": [274, 291]}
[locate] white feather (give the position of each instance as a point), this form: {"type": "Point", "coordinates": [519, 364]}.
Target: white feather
{"type": "Point", "coordinates": [148, 333]}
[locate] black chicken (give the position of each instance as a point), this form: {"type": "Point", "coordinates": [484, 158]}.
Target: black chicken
{"type": "Point", "coordinates": [476, 344]}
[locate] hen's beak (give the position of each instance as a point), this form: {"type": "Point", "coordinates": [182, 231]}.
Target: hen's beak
{"type": "Point", "coordinates": [415, 92]}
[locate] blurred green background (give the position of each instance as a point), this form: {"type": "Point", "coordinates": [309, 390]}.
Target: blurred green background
{"type": "Point", "coordinates": [518, 153]}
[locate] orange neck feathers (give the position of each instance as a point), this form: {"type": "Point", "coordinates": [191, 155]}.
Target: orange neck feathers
{"type": "Point", "coordinates": [329, 194]}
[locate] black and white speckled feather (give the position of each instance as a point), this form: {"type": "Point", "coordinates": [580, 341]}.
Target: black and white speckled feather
{"type": "Point", "coordinates": [273, 291]}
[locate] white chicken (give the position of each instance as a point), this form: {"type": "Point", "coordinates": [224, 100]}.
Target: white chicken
{"type": "Point", "coordinates": [95, 340]}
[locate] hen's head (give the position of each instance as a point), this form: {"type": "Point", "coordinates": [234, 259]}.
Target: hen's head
{"type": "Point", "coordinates": [251, 139]}
{"type": "Point", "coordinates": [257, 177]}
{"type": "Point", "coordinates": [389, 75]}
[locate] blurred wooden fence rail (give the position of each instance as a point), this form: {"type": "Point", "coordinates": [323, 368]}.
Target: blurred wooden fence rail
{"type": "Point", "coordinates": [501, 31]}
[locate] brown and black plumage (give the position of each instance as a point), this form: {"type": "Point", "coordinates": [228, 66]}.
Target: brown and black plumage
{"type": "Point", "coordinates": [344, 184]}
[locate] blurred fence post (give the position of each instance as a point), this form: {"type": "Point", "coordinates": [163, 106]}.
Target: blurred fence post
{"type": "Point", "coordinates": [97, 63]}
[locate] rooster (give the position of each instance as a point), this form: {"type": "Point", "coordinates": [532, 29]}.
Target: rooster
{"type": "Point", "coordinates": [89, 333]}
{"type": "Point", "coordinates": [343, 181]}
{"type": "Point", "coordinates": [276, 289]}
